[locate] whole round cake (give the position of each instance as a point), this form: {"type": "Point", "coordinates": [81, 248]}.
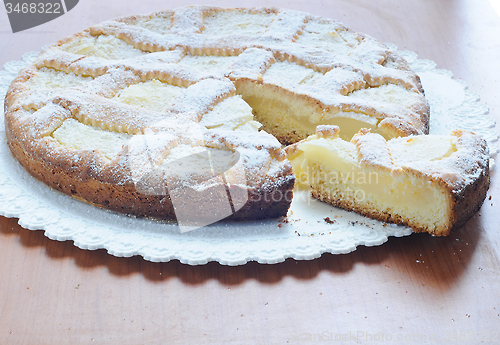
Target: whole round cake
{"type": "Point", "coordinates": [184, 114]}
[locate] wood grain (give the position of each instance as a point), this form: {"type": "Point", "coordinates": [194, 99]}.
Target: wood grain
{"type": "Point", "coordinates": [416, 289]}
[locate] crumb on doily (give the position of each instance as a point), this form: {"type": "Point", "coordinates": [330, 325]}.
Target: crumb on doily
{"type": "Point", "coordinates": [329, 220]}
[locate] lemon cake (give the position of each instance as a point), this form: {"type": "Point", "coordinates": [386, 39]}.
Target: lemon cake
{"type": "Point", "coordinates": [431, 183]}
{"type": "Point", "coordinates": [153, 115]}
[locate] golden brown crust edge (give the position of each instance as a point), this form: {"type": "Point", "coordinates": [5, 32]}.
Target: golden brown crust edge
{"type": "Point", "coordinates": [468, 199]}
{"type": "Point", "coordinates": [270, 200]}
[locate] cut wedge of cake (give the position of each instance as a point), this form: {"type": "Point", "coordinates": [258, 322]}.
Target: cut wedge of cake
{"type": "Point", "coordinates": [431, 183]}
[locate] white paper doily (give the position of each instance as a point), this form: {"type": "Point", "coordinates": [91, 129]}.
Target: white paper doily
{"type": "Point", "coordinates": [311, 229]}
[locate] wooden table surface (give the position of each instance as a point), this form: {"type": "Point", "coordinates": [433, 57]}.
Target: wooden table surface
{"type": "Point", "coordinates": [416, 289]}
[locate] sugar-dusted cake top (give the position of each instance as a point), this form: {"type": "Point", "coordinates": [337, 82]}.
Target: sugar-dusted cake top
{"type": "Point", "coordinates": [455, 160]}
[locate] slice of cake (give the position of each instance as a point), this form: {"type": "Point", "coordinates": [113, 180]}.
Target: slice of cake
{"type": "Point", "coordinates": [431, 183]}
